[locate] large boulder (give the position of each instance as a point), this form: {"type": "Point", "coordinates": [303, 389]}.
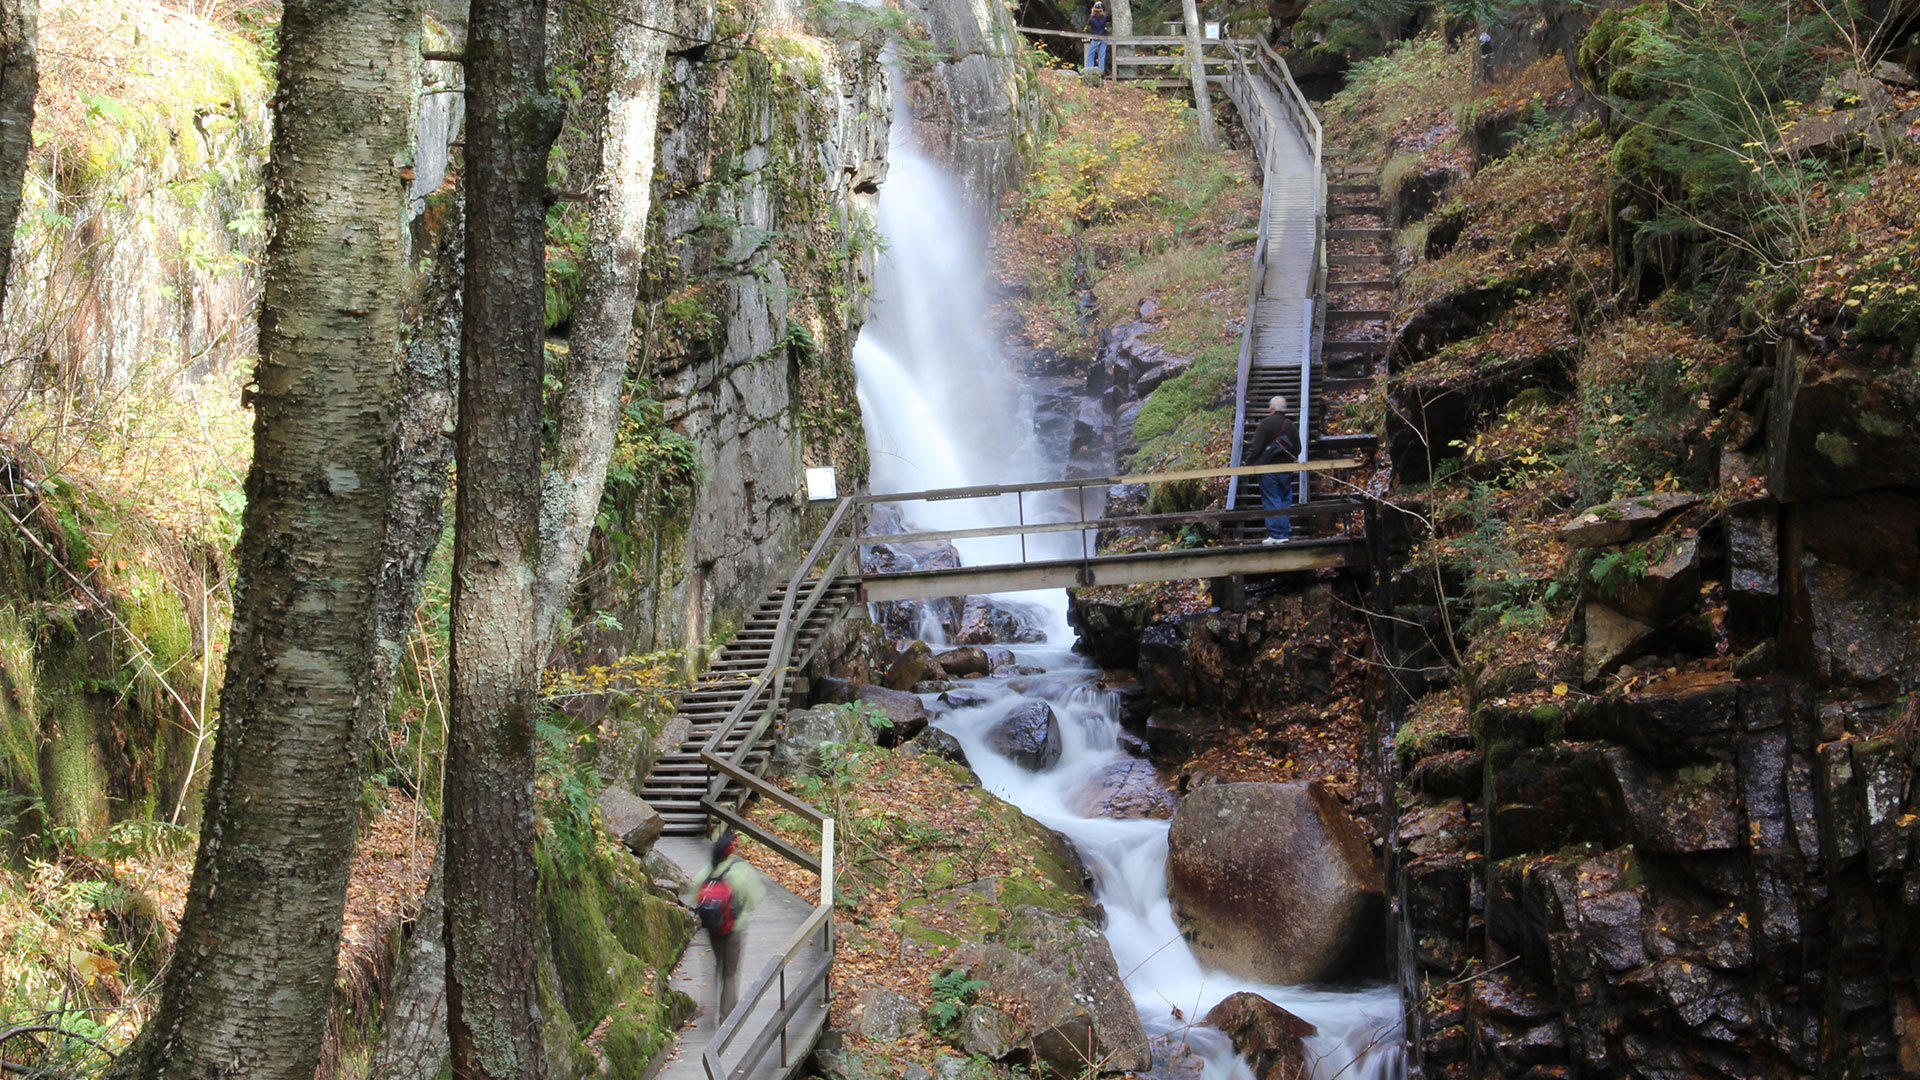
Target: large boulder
{"type": "Point", "coordinates": [1128, 788]}
{"type": "Point", "coordinates": [798, 746]}
{"type": "Point", "coordinates": [630, 818]}
{"type": "Point", "coordinates": [883, 1015]}
{"type": "Point", "coordinates": [1273, 1040]}
{"type": "Point", "coordinates": [939, 744]}
{"type": "Point", "coordinates": [1625, 519]}
{"type": "Point", "coordinates": [965, 660]}
{"type": "Point", "coordinates": [1058, 976]}
{"type": "Point", "coordinates": [1613, 638]}
{"type": "Point", "coordinates": [1029, 735]}
{"type": "Point", "coordinates": [906, 713]}
{"type": "Point", "coordinates": [915, 664]}
{"type": "Point", "coordinates": [1273, 882]}
{"type": "Point", "coordinates": [984, 620]}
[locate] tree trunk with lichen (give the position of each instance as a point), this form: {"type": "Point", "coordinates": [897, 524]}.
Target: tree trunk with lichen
{"type": "Point", "coordinates": [252, 976]}
{"type": "Point", "coordinates": [1197, 69]}
{"type": "Point", "coordinates": [19, 81]}
{"type": "Point", "coordinates": [493, 1009]}
{"type": "Point", "coordinates": [602, 327]}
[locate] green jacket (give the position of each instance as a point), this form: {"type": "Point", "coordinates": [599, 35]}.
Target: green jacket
{"type": "Point", "coordinates": [741, 877]}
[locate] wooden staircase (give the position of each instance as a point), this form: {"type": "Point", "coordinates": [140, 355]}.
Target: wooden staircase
{"type": "Point", "coordinates": [679, 779]}
{"type": "Point", "coordinates": [1353, 330]}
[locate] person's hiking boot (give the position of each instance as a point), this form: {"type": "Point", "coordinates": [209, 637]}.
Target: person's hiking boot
{"type": "Point", "coordinates": [1276, 539]}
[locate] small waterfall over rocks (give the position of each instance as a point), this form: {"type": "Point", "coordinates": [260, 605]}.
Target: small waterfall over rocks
{"type": "Point", "coordinates": [944, 408]}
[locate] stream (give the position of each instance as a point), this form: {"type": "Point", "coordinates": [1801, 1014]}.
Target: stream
{"type": "Point", "coordinates": [943, 408]}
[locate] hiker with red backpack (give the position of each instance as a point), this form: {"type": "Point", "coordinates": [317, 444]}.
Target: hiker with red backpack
{"type": "Point", "coordinates": [725, 893]}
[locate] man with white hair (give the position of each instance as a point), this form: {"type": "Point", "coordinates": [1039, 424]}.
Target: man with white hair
{"type": "Point", "coordinates": [1276, 440]}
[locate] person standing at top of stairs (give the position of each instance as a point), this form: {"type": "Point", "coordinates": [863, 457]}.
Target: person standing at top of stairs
{"type": "Point", "coordinates": [1276, 440]}
{"type": "Point", "coordinates": [1100, 27]}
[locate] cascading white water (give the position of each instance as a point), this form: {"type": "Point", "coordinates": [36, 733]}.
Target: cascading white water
{"type": "Point", "coordinates": [943, 409]}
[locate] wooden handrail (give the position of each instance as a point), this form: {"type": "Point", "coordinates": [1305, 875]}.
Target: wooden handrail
{"type": "Point", "coordinates": [769, 686]}
{"type": "Point", "coordinates": [819, 922]}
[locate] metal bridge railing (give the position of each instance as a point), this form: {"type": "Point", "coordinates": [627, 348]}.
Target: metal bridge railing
{"type": "Point", "coordinates": [1255, 65]}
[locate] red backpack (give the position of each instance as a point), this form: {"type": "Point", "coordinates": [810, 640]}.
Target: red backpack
{"type": "Point", "coordinates": [715, 906]}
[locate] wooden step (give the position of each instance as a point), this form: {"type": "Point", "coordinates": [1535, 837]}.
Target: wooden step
{"type": "Point", "coordinates": [1359, 314]}
{"type": "Point", "coordinates": [1359, 234]}
{"type": "Point", "coordinates": [1377, 258]}
{"type": "Point", "coordinates": [1341, 210]}
{"type": "Point", "coordinates": [1359, 283]}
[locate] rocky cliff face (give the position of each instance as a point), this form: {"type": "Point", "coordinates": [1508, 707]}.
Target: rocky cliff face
{"type": "Point", "coordinates": [1675, 834]}
{"type": "Point", "coordinates": [760, 257]}
{"type": "Point", "coordinates": [973, 101]}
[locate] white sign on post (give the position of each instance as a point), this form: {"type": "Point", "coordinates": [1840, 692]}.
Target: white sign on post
{"type": "Point", "coordinates": [821, 485]}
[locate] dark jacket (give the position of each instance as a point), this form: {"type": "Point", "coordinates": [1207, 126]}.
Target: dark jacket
{"type": "Point", "coordinates": [1277, 439]}
{"type": "Point", "coordinates": [1097, 25]}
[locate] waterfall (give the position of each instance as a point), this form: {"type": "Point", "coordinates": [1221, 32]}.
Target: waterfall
{"type": "Point", "coordinates": [943, 408]}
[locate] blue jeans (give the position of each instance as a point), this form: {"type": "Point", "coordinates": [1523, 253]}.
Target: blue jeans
{"type": "Point", "coordinates": [1276, 493]}
{"type": "Point", "coordinates": [1097, 55]}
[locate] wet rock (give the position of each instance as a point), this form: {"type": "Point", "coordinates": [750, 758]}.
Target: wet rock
{"type": "Point", "coordinates": [1667, 588]}
{"type": "Point", "coordinates": [961, 662]}
{"type": "Point", "coordinates": [666, 875]}
{"type": "Point", "coordinates": [984, 620]}
{"type": "Point", "coordinates": [998, 657]}
{"type": "Point", "coordinates": [1272, 881]}
{"type": "Point", "coordinates": [630, 818]}
{"type": "Point", "coordinates": [1128, 788]}
{"type": "Point", "coordinates": [1029, 736]}
{"type": "Point", "coordinates": [1439, 908]}
{"type": "Point", "coordinates": [1454, 773]}
{"type": "Point", "coordinates": [1174, 1059]}
{"type": "Point", "coordinates": [1838, 427]}
{"type": "Point", "coordinates": [963, 697]}
{"type": "Point", "coordinates": [1550, 797]}
{"type": "Point", "coordinates": [1626, 519]}
{"type": "Point", "coordinates": [949, 1067]}
{"type": "Point", "coordinates": [1109, 627]}
{"type": "Point", "coordinates": [1753, 571]}
{"type": "Point", "coordinates": [1679, 719]}
{"type": "Point", "coordinates": [939, 744]}
{"type": "Point", "coordinates": [1271, 1039]}
{"type": "Point", "coordinates": [884, 1015]}
{"type": "Point", "coordinates": [914, 664]}
{"type": "Point", "coordinates": [799, 744]}
{"type": "Point", "coordinates": [1613, 638]}
{"type": "Point", "coordinates": [1065, 987]}
{"type": "Point", "coordinates": [1685, 810]}
{"type": "Point", "coordinates": [906, 713]}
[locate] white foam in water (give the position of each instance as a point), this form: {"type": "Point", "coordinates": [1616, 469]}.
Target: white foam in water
{"type": "Point", "coordinates": [943, 409]}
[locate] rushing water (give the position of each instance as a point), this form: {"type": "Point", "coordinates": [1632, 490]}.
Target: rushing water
{"type": "Point", "coordinates": [943, 409]}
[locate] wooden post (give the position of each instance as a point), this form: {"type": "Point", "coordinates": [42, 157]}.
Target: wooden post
{"type": "Point", "coordinates": [1197, 65]}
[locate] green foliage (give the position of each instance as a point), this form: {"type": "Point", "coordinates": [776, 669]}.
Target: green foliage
{"type": "Point", "coordinates": [1617, 569]}
{"type": "Point", "coordinates": [1197, 390]}
{"type": "Point", "coordinates": [1698, 95]}
{"type": "Point", "coordinates": [1642, 387]}
{"type": "Point", "coordinates": [953, 991]}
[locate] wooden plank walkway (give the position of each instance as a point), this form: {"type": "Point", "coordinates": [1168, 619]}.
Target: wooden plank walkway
{"type": "Point", "coordinates": [774, 922]}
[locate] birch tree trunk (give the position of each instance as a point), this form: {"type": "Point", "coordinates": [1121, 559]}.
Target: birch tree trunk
{"type": "Point", "coordinates": [1197, 68]}
{"type": "Point", "coordinates": [493, 1009]}
{"type": "Point", "coordinates": [1122, 11]}
{"type": "Point", "coordinates": [19, 81]}
{"type": "Point", "coordinates": [252, 976]}
{"type": "Point", "coordinates": [602, 327]}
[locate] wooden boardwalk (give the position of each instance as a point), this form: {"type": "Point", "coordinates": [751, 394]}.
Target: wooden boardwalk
{"type": "Point", "coordinates": [773, 923]}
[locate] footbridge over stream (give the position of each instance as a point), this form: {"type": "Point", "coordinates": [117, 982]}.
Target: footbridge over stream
{"type": "Point", "coordinates": [726, 719]}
